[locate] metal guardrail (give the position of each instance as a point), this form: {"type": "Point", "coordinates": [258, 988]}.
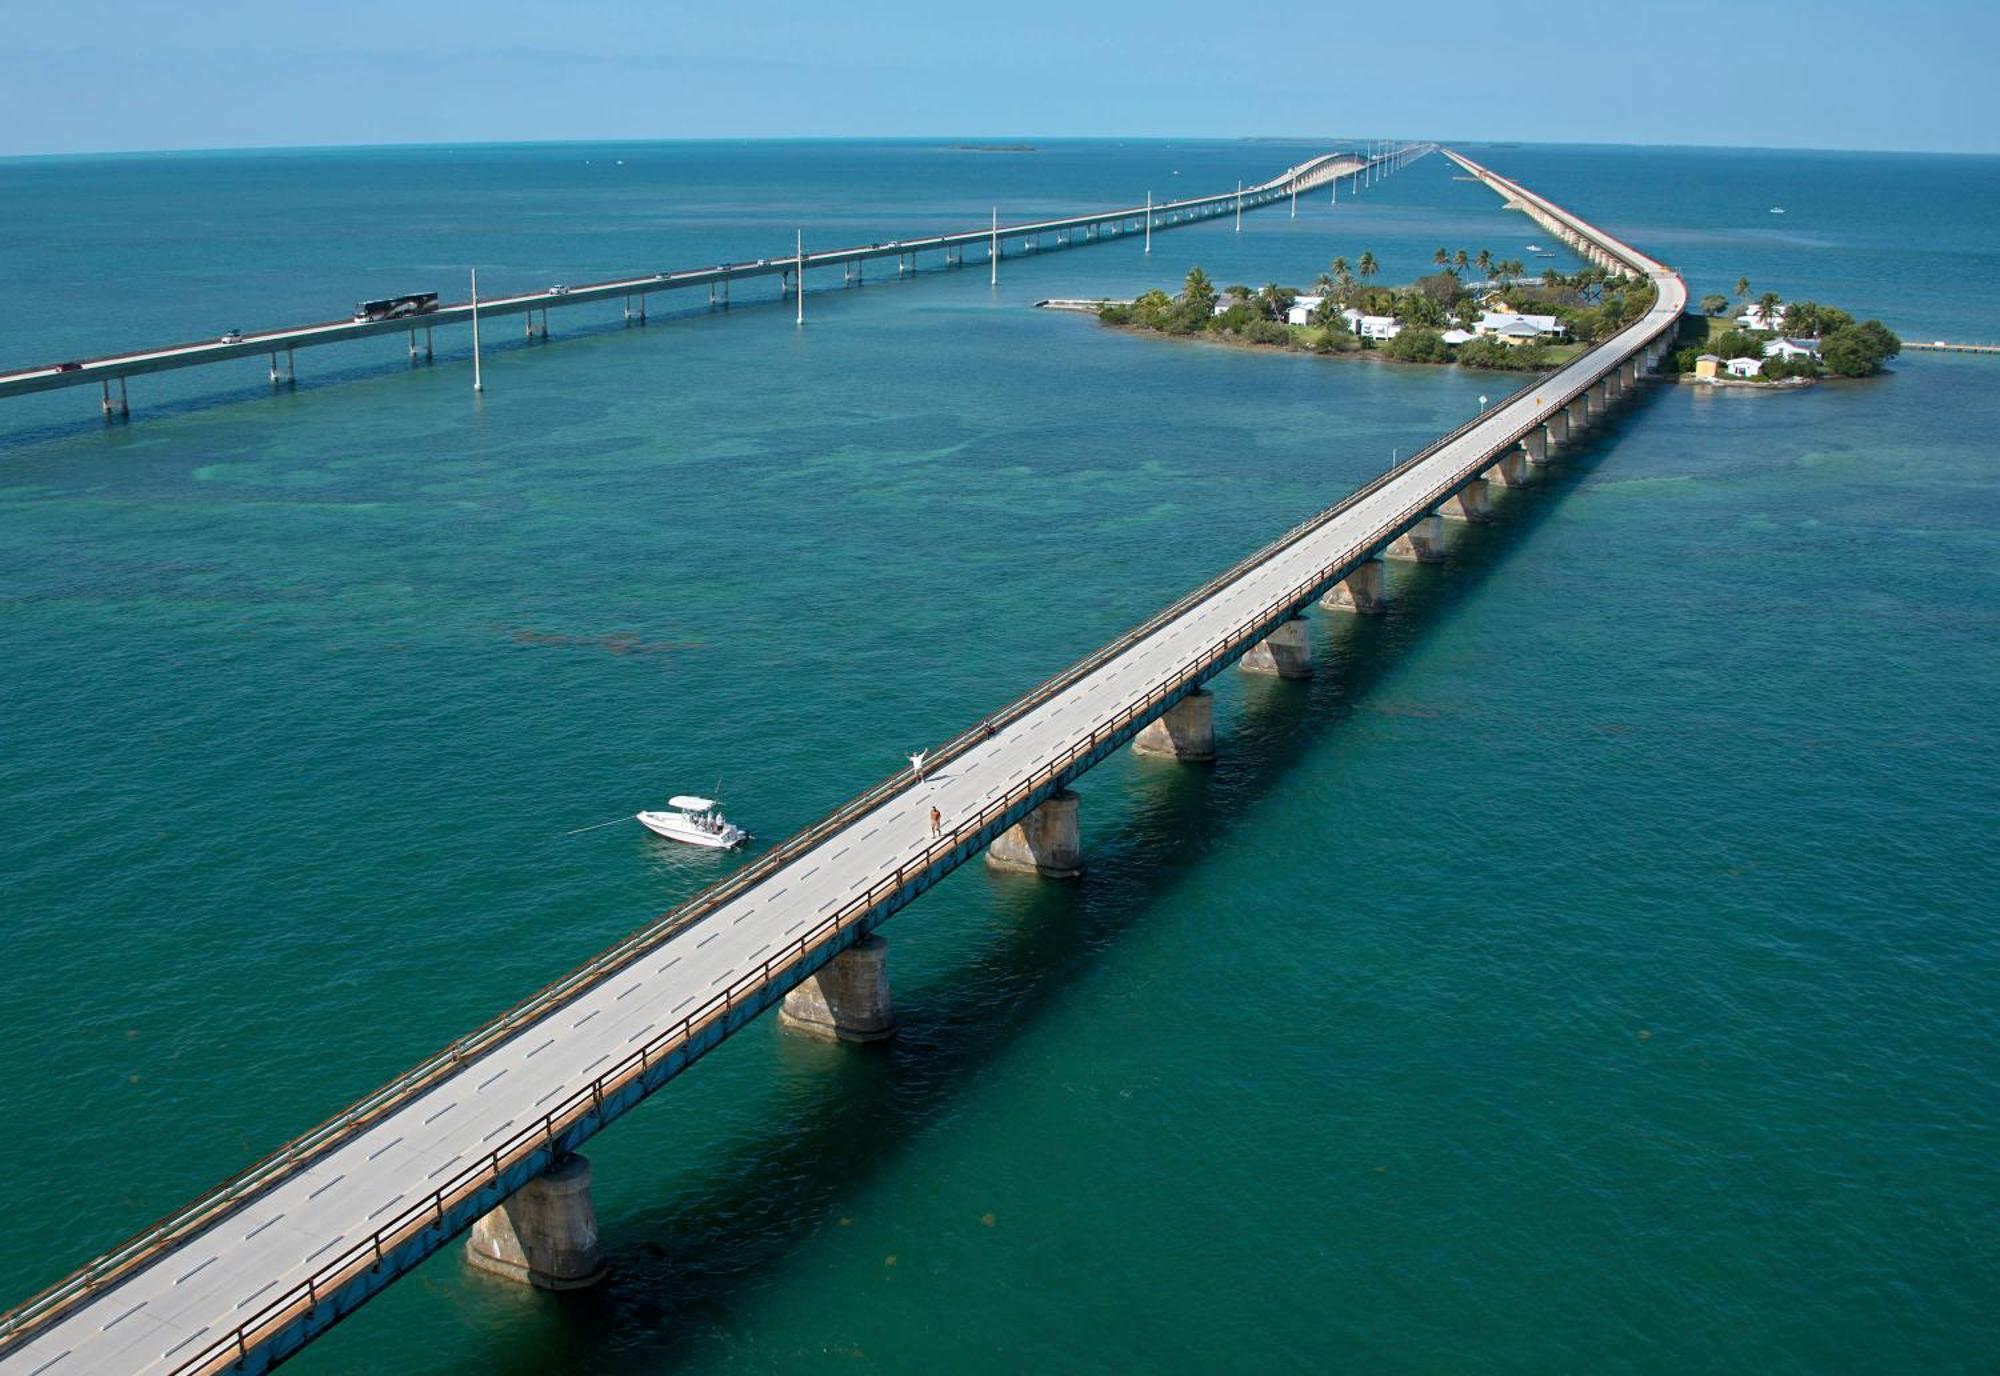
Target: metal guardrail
{"type": "Point", "coordinates": [687, 1036]}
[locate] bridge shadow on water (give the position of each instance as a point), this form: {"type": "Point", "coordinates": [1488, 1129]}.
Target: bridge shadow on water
{"type": "Point", "coordinates": [847, 1113]}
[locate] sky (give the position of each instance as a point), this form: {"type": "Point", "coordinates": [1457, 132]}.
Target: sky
{"type": "Point", "coordinates": [113, 75]}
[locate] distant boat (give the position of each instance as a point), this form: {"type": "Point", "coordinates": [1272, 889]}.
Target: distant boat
{"type": "Point", "coordinates": [1777, 210]}
{"type": "Point", "coordinates": [697, 821]}
{"type": "Point", "coordinates": [1534, 248]}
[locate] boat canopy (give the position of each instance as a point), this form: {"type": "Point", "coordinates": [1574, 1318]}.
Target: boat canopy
{"type": "Point", "coordinates": [687, 802]}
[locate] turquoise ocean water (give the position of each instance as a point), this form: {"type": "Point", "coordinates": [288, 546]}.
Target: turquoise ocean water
{"type": "Point", "coordinates": [1592, 970]}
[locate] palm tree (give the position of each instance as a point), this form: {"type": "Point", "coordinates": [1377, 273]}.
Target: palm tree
{"type": "Point", "coordinates": [1198, 290]}
{"type": "Point", "coordinates": [1441, 258]}
{"type": "Point", "coordinates": [1743, 288]}
{"type": "Point", "coordinates": [1767, 307]}
{"type": "Point", "coordinates": [1485, 262]}
{"type": "Point", "coordinates": [1551, 278]}
{"type": "Point", "coordinates": [1460, 262]}
{"type": "Point", "coordinates": [1367, 267]}
{"type": "Point", "coordinates": [1340, 268]}
{"type": "Point", "coordinates": [1324, 285]}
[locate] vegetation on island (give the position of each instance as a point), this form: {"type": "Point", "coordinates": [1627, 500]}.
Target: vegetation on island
{"type": "Point", "coordinates": [1839, 345]}
{"type": "Point", "coordinates": [1589, 305]}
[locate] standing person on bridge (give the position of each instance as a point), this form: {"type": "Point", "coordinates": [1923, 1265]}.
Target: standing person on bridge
{"type": "Point", "coordinates": [937, 822]}
{"type": "Point", "coordinates": [917, 764]}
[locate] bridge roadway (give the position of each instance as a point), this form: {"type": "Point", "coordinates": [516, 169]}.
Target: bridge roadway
{"type": "Point", "coordinates": [109, 368]}
{"type": "Point", "coordinates": [247, 1275]}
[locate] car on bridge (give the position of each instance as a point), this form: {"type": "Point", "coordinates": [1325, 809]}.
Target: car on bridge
{"type": "Point", "coordinates": [230, 337]}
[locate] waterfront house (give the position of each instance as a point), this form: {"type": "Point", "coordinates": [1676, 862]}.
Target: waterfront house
{"type": "Point", "coordinates": [1706, 367]}
{"type": "Point", "coordinates": [1301, 310]}
{"type": "Point", "coordinates": [1791, 350]}
{"type": "Point", "coordinates": [1457, 336]}
{"type": "Point", "coordinates": [1744, 367]}
{"type": "Point", "coordinates": [1506, 323]}
{"type": "Point", "coordinates": [1517, 334]}
{"type": "Point", "coordinates": [1755, 319]}
{"type": "Point", "coordinates": [1372, 326]}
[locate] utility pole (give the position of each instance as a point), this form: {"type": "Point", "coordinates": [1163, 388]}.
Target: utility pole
{"type": "Point", "coordinates": [1149, 222]}
{"type": "Point", "coordinates": [477, 384]}
{"type": "Point", "coordinates": [799, 282]}
{"type": "Point", "coordinates": [993, 247]}
{"type": "Point", "coordinates": [1239, 205]}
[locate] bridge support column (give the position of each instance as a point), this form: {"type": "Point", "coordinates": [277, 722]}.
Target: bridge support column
{"type": "Point", "coordinates": [847, 999]}
{"type": "Point", "coordinates": [1509, 470]}
{"type": "Point", "coordinates": [1045, 842]}
{"type": "Point", "coordinates": [1361, 591]}
{"type": "Point", "coordinates": [1422, 543]}
{"type": "Point", "coordinates": [1469, 503]}
{"type": "Point", "coordinates": [545, 1234]}
{"type": "Point", "coordinates": [1628, 373]}
{"type": "Point", "coordinates": [1600, 397]}
{"type": "Point", "coordinates": [1286, 652]}
{"type": "Point", "coordinates": [1557, 426]}
{"type": "Point", "coordinates": [1185, 732]}
{"type": "Point", "coordinates": [1535, 444]}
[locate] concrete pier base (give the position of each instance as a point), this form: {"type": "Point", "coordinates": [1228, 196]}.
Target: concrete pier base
{"type": "Point", "coordinates": [1508, 470]}
{"type": "Point", "coordinates": [1186, 731]}
{"type": "Point", "coordinates": [1575, 419]}
{"type": "Point", "coordinates": [545, 1235]}
{"type": "Point", "coordinates": [1535, 445]}
{"type": "Point", "coordinates": [847, 1000]}
{"type": "Point", "coordinates": [1045, 842]}
{"type": "Point", "coordinates": [1361, 591]}
{"type": "Point", "coordinates": [1469, 503]}
{"type": "Point", "coordinates": [1286, 652]}
{"type": "Point", "coordinates": [1557, 427]}
{"type": "Point", "coordinates": [1422, 543]}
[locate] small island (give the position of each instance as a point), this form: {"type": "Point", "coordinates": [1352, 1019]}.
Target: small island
{"type": "Point", "coordinates": [1503, 320]}
{"type": "Point", "coordinates": [1773, 343]}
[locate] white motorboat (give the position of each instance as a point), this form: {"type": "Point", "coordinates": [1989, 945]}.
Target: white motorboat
{"type": "Point", "coordinates": [697, 821]}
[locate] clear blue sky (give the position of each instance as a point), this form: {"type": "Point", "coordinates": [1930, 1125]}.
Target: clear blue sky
{"type": "Point", "coordinates": [99, 75]}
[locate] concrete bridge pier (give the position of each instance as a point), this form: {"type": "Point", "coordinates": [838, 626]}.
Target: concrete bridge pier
{"type": "Point", "coordinates": [1600, 397]}
{"type": "Point", "coordinates": [1576, 417]}
{"type": "Point", "coordinates": [545, 1234]}
{"type": "Point", "coordinates": [1509, 469]}
{"type": "Point", "coordinates": [288, 377]}
{"type": "Point", "coordinates": [1046, 842]}
{"type": "Point", "coordinates": [1422, 543]}
{"type": "Point", "coordinates": [1469, 504]}
{"type": "Point", "coordinates": [123, 410]}
{"type": "Point", "coordinates": [1286, 652]}
{"type": "Point", "coordinates": [846, 999]}
{"type": "Point", "coordinates": [1362, 591]}
{"type": "Point", "coordinates": [1186, 731]}
{"type": "Point", "coordinates": [1535, 444]}
{"type": "Point", "coordinates": [1557, 426]}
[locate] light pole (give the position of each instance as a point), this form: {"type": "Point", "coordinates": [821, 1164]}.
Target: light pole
{"type": "Point", "coordinates": [477, 384]}
{"type": "Point", "coordinates": [993, 248]}
{"type": "Point", "coordinates": [799, 279]}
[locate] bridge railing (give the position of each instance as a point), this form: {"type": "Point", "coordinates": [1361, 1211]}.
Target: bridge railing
{"type": "Point", "coordinates": [706, 1026]}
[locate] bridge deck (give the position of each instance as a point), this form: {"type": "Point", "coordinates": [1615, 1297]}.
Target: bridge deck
{"type": "Point", "coordinates": [436, 1156]}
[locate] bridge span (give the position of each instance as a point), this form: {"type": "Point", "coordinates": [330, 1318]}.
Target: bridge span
{"type": "Point", "coordinates": [482, 1136]}
{"type": "Point", "coordinates": [110, 372]}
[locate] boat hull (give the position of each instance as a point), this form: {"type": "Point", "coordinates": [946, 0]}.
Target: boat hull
{"type": "Point", "coordinates": [676, 827]}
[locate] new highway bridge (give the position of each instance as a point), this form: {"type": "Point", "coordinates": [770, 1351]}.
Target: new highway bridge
{"type": "Point", "coordinates": [113, 370]}
{"type": "Point", "coordinates": [247, 1275]}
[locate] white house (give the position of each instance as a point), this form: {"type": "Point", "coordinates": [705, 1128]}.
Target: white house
{"type": "Point", "coordinates": [1302, 309]}
{"type": "Point", "coordinates": [1505, 323]}
{"type": "Point", "coordinates": [1744, 367]}
{"type": "Point", "coordinates": [1791, 349]}
{"type": "Point", "coordinates": [1457, 336]}
{"type": "Point", "coordinates": [1755, 319]}
{"type": "Point", "coordinates": [1372, 326]}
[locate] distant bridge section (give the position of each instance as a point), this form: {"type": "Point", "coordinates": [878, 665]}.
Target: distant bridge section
{"type": "Point", "coordinates": [110, 371]}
